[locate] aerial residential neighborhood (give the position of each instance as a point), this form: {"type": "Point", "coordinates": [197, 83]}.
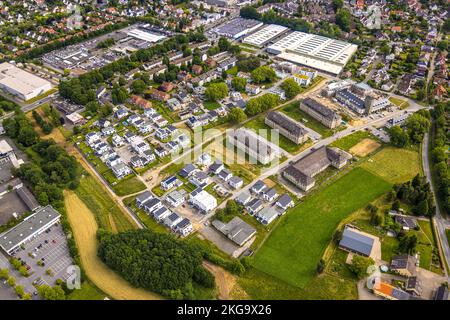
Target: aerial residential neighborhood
{"type": "Point", "coordinates": [224, 150]}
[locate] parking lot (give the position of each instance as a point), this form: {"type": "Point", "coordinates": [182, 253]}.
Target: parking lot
{"type": "Point", "coordinates": [50, 248]}
{"type": "Point", "coordinates": [11, 203]}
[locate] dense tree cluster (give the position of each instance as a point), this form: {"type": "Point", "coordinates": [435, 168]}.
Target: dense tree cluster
{"type": "Point", "coordinates": [262, 103]}
{"type": "Point", "coordinates": [360, 265]}
{"type": "Point", "coordinates": [216, 91]}
{"type": "Point", "coordinates": [263, 74]}
{"type": "Point", "coordinates": [415, 128]}
{"type": "Point", "coordinates": [20, 128]}
{"type": "Point", "coordinates": [156, 262]}
{"type": "Point", "coordinates": [7, 106]}
{"type": "Point", "coordinates": [222, 46]}
{"type": "Point", "coordinates": [248, 63]}
{"type": "Point", "coordinates": [291, 88]}
{"type": "Point", "coordinates": [46, 127]}
{"type": "Point", "coordinates": [237, 115]}
{"type": "Point", "coordinates": [239, 84]}
{"type": "Point", "coordinates": [418, 194]}
{"type": "Point", "coordinates": [440, 144]}
{"type": "Point", "coordinates": [417, 125]}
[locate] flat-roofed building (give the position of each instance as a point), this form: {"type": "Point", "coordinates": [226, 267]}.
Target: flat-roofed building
{"type": "Point", "coordinates": [303, 171]}
{"type": "Point", "coordinates": [238, 27]}
{"type": "Point", "coordinates": [146, 35]}
{"type": "Point", "coordinates": [32, 226]}
{"type": "Point", "coordinates": [289, 128]}
{"type": "Point", "coordinates": [314, 51]}
{"type": "Point", "coordinates": [264, 35]}
{"type": "Point", "coordinates": [321, 113]}
{"type": "Point", "coordinates": [21, 83]}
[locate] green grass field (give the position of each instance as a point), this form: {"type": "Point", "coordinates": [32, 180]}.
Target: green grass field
{"type": "Point", "coordinates": [394, 164]}
{"type": "Point", "coordinates": [294, 248]}
{"type": "Point", "coordinates": [128, 185]}
{"type": "Point", "coordinates": [211, 105]}
{"type": "Point", "coordinates": [102, 205]}
{"type": "Point", "coordinates": [87, 292]}
{"type": "Point", "coordinates": [261, 286]}
{"type": "Point", "coordinates": [349, 141]}
{"type": "Point", "coordinates": [293, 111]}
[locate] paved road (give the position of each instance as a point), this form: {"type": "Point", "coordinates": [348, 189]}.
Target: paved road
{"type": "Point", "coordinates": [441, 223]}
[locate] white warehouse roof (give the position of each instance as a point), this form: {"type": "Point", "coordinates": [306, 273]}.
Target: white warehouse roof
{"type": "Point", "coordinates": [22, 83]}
{"type": "Point", "coordinates": [314, 51]}
{"type": "Point", "coordinates": [264, 35]}
{"type": "Point", "coordinates": [145, 35]}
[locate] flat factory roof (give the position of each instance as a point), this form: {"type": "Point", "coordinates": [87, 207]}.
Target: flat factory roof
{"type": "Point", "coordinates": [314, 51]}
{"type": "Point", "coordinates": [264, 35]}
{"type": "Point", "coordinates": [145, 35]}
{"type": "Point", "coordinates": [20, 80]}
{"type": "Point", "coordinates": [30, 226]}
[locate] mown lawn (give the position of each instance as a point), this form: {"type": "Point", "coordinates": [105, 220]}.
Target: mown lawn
{"type": "Point", "coordinates": [293, 111]}
{"type": "Point", "coordinates": [394, 164]}
{"type": "Point", "coordinates": [294, 248]}
{"type": "Point", "coordinates": [349, 141]}
{"type": "Point", "coordinates": [211, 105]}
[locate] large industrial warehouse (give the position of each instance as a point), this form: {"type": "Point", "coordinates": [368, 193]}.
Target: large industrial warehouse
{"type": "Point", "coordinates": [261, 37]}
{"type": "Point", "coordinates": [314, 51]}
{"type": "Point", "coordinates": [21, 83]}
{"type": "Point", "coordinates": [238, 27]}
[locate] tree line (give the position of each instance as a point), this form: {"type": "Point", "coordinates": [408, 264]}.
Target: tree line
{"type": "Point", "coordinates": [440, 142]}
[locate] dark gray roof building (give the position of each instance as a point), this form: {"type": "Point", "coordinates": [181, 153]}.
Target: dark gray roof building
{"type": "Point", "coordinates": [356, 242]}
{"type": "Point", "coordinates": [236, 230]}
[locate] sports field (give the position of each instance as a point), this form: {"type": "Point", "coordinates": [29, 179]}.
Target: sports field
{"type": "Point", "coordinates": [294, 248]}
{"type": "Point", "coordinates": [394, 164]}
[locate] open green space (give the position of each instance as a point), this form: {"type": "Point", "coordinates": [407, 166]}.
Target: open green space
{"type": "Point", "coordinates": [293, 111]}
{"type": "Point", "coordinates": [87, 292]}
{"type": "Point", "coordinates": [107, 213]}
{"type": "Point", "coordinates": [346, 143]}
{"type": "Point", "coordinates": [128, 185]}
{"type": "Point", "coordinates": [394, 164]}
{"type": "Point", "coordinates": [211, 105]}
{"type": "Point", "coordinates": [295, 246]}
{"type": "Point", "coordinates": [402, 104]}
{"type": "Point", "coordinates": [261, 286]}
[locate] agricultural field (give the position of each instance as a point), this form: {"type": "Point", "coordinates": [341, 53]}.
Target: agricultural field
{"type": "Point", "coordinates": [395, 165]}
{"type": "Point", "coordinates": [294, 248]}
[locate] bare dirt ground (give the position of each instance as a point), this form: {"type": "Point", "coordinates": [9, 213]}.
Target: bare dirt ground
{"type": "Point", "coordinates": [225, 281]}
{"type": "Point", "coordinates": [365, 147]}
{"type": "Point", "coordinates": [84, 229]}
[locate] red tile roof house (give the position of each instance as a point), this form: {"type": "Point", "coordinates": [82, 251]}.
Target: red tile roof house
{"type": "Point", "coordinates": [159, 95]}
{"type": "Point", "coordinates": [166, 86]}
{"type": "Point", "coordinates": [141, 102]}
{"type": "Point", "coordinates": [197, 70]}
